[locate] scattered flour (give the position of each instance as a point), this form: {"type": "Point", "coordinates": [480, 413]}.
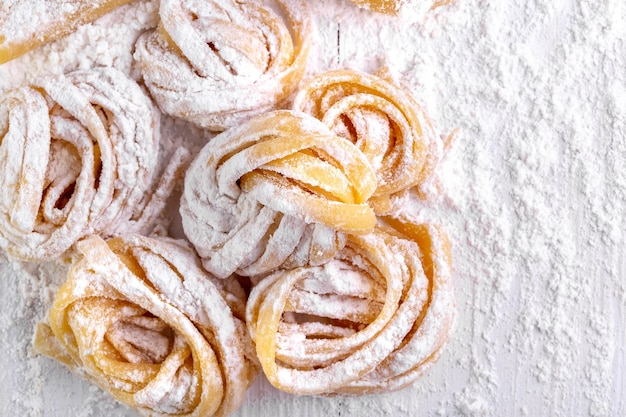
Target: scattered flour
{"type": "Point", "coordinates": [534, 202]}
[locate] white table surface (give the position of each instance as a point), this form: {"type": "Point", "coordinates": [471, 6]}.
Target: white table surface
{"type": "Point", "coordinates": [537, 231]}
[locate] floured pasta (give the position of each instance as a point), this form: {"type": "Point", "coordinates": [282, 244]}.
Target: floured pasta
{"type": "Point", "coordinates": [140, 318]}
{"type": "Point", "coordinates": [393, 6]}
{"type": "Point", "coordinates": [218, 63]}
{"type": "Point", "coordinates": [78, 155]}
{"type": "Point", "coordinates": [305, 207]}
{"type": "Point", "coordinates": [277, 191]}
{"type": "Point", "coordinates": [383, 120]}
{"type": "Point", "coordinates": [371, 321]}
{"type": "Point", "coordinates": [26, 25]}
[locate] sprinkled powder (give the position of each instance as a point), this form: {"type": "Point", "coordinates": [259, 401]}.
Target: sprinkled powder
{"type": "Point", "coordinates": [534, 201]}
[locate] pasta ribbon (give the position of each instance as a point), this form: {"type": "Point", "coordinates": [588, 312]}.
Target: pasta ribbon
{"type": "Point", "coordinates": [217, 64]}
{"type": "Point", "coordinates": [392, 7]}
{"type": "Point", "coordinates": [78, 155]}
{"type": "Point", "coordinates": [139, 317]}
{"type": "Point", "coordinates": [278, 191]}
{"type": "Point", "coordinates": [371, 321]}
{"type": "Point", "coordinates": [19, 36]}
{"type": "Point", "coordinates": [383, 121]}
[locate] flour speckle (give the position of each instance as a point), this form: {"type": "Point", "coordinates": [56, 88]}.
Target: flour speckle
{"type": "Point", "coordinates": [534, 200]}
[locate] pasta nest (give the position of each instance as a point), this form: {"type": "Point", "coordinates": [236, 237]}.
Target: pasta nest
{"type": "Point", "coordinates": [217, 64]}
{"type": "Point", "coordinates": [371, 321]}
{"type": "Point", "coordinates": [139, 317]}
{"type": "Point", "coordinates": [383, 120]}
{"type": "Point", "coordinates": [278, 191]}
{"type": "Point", "coordinates": [78, 155]}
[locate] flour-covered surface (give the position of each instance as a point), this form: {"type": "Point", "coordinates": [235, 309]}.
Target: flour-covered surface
{"type": "Point", "coordinates": [534, 200]}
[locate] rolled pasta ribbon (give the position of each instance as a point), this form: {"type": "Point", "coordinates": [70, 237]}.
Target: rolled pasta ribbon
{"type": "Point", "coordinates": [217, 64]}
{"type": "Point", "coordinates": [78, 155]}
{"type": "Point", "coordinates": [26, 25]}
{"type": "Point", "coordinates": [394, 6]}
{"type": "Point", "coordinates": [385, 123]}
{"type": "Point", "coordinates": [371, 321]}
{"type": "Point", "coordinates": [140, 318]}
{"type": "Point", "coordinates": [278, 191]}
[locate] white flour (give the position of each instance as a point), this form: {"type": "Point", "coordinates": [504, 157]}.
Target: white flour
{"type": "Point", "coordinates": [107, 42]}
{"type": "Point", "coordinates": [534, 202]}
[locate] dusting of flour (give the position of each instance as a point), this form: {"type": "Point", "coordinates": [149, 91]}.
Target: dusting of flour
{"type": "Point", "coordinates": [534, 201]}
